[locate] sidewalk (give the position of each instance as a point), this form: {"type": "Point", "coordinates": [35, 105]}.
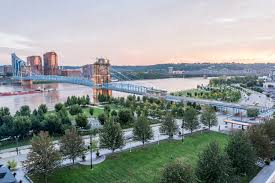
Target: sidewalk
{"type": "Point", "coordinates": [266, 175]}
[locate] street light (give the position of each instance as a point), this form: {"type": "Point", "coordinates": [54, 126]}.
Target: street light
{"type": "Point", "coordinates": [17, 149]}
{"type": "Point", "coordinates": [130, 146]}
{"type": "Point", "coordinates": [91, 150]}
{"type": "Point", "coordinates": [158, 138]}
{"type": "Point", "coordinates": [182, 126]}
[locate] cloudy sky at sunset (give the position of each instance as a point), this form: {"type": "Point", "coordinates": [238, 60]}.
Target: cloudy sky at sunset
{"type": "Point", "coordinates": [139, 32]}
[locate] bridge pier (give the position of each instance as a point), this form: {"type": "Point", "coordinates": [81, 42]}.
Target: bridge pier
{"type": "Point", "coordinates": [101, 77]}
{"type": "Point", "coordinates": [100, 91]}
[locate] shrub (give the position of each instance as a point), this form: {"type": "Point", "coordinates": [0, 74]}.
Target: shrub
{"type": "Point", "coordinates": [12, 164]}
{"type": "Point", "coordinates": [75, 109]}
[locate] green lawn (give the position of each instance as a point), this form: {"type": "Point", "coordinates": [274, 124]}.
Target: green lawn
{"type": "Point", "coordinates": [141, 165]}
{"type": "Point", "coordinates": [85, 110]}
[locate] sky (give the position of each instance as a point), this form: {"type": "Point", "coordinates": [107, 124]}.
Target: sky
{"type": "Point", "coordinates": [139, 32]}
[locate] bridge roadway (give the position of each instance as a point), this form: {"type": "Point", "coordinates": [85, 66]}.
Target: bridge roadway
{"type": "Point", "coordinates": [213, 103]}
{"type": "Point", "coordinates": [137, 90]}
{"type": "Point", "coordinates": [115, 86]}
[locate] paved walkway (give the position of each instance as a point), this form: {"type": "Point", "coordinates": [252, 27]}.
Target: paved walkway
{"type": "Point", "coordinates": [266, 175]}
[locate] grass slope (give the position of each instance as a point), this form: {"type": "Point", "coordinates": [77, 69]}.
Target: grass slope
{"type": "Point", "coordinates": [141, 165]}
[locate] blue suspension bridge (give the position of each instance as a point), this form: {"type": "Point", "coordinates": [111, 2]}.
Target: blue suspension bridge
{"type": "Point", "coordinates": [23, 73]}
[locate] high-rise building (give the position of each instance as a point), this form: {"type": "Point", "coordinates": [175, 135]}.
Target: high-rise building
{"type": "Point", "coordinates": [35, 63]}
{"type": "Point", "coordinates": [6, 70]}
{"type": "Point", "coordinates": [50, 63]}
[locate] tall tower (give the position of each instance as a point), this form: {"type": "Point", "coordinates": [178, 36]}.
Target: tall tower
{"type": "Point", "coordinates": [35, 63]}
{"type": "Point", "coordinates": [101, 75]}
{"type": "Point", "coordinates": [50, 63]}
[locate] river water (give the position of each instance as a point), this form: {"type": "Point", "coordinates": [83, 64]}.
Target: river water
{"type": "Point", "coordinates": [63, 90]}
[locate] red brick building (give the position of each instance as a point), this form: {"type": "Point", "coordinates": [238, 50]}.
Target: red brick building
{"type": "Point", "coordinates": [50, 63]}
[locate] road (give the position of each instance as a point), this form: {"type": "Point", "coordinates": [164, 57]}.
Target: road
{"type": "Point", "coordinates": [267, 174]}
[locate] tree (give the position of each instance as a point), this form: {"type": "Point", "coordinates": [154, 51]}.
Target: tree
{"type": "Point", "coordinates": [58, 107]}
{"type": "Point", "coordinates": [269, 127]}
{"type": "Point", "coordinates": [63, 115]}
{"type": "Point", "coordinates": [111, 136]}
{"type": "Point", "coordinates": [24, 111]}
{"type": "Point", "coordinates": [37, 125]}
{"type": "Point", "coordinates": [43, 158]}
{"type": "Point", "coordinates": [81, 120]}
{"type": "Point", "coordinates": [190, 119]}
{"type": "Point", "coordinates": [102, 118]}
{"type": "Point", "coordinates": [142, 130]}
{"type": "Point", "coordinates": [241, 154]}
{"type": "Point", "coordinates": [208, 117]}
{"type": "Point", "coordinates": [252, 112]}
{"type": "Point", "coordinates": [88, 100]}
{"type": "Point", "coordinates": [125, 116]}
{"type": "Point", "coordinates": [113, 113]}
{"type": "Point", "coordinates": [52, 124]}
{"type": "Point", "coordinates": [169, 126]}
{"type": "Point", "coordinates": [4, 111]}
{"type": "Point", "coordinates": [260, 141]}
{"type": "Point", "coordinates": [42, 109]}
{"type": "Point", "coordinates": [21, 125]}
{"type": "Point", "coordinates": [91, 111]}
{"type": "Point", "coordinates": [107, 109]}
{"type": "Point", "coordinates": [6, 129]}
{"type": "Point", "coordinates": [72, 144]}
{"type": "Point", "coordinates": [214, 166]}
{"type": "Point", "coordinates": [177, 172]}
{"type": "Point", "coordinates": [75, 109]}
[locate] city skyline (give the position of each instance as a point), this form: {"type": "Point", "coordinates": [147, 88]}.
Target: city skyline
{"type": "Point", "coordinates": [139, 32]}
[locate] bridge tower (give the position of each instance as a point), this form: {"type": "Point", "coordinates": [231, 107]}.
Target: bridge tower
{"type": "Point", "coordinates": [20, 69]}
{"type": "Point", "coordinates": [101, 76]}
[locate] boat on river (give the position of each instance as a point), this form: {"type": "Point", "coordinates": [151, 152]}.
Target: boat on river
{"type": "Point", "coordinates": [26, 92]}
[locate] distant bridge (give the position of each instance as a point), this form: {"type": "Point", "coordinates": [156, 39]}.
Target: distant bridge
{"type": "Point", "coordinates": [219, 104]}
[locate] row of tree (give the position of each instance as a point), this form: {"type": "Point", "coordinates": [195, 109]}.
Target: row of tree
{"type": "Point", "coordinates": [26, 122]}
{"type": "Point", "coordinates": [44, 157]}
{"type": "Point", "coordinates": [84, 100]}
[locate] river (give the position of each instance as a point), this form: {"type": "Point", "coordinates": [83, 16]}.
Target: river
{"type": "Point", "coordinates": [63, 90]}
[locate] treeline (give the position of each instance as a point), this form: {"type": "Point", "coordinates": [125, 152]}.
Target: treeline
{"type": "Point", "coordinates": [26, 122]}
{"type": "Point", "coordinates": [216, 93]}
{"type": "Point", "coordinates": [250, 82]}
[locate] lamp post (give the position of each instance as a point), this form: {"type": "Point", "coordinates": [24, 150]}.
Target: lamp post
{"type": "Point", "coordinates": [91, 150]}
{"type": "Point", "coordinates": [182, 132]}
{"type": "Point", "coordinates": [158, 138]}
{"type": "Point", "coordinates": [130, 146]}
{"type": "Point", "coordinates": [17, 150]}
